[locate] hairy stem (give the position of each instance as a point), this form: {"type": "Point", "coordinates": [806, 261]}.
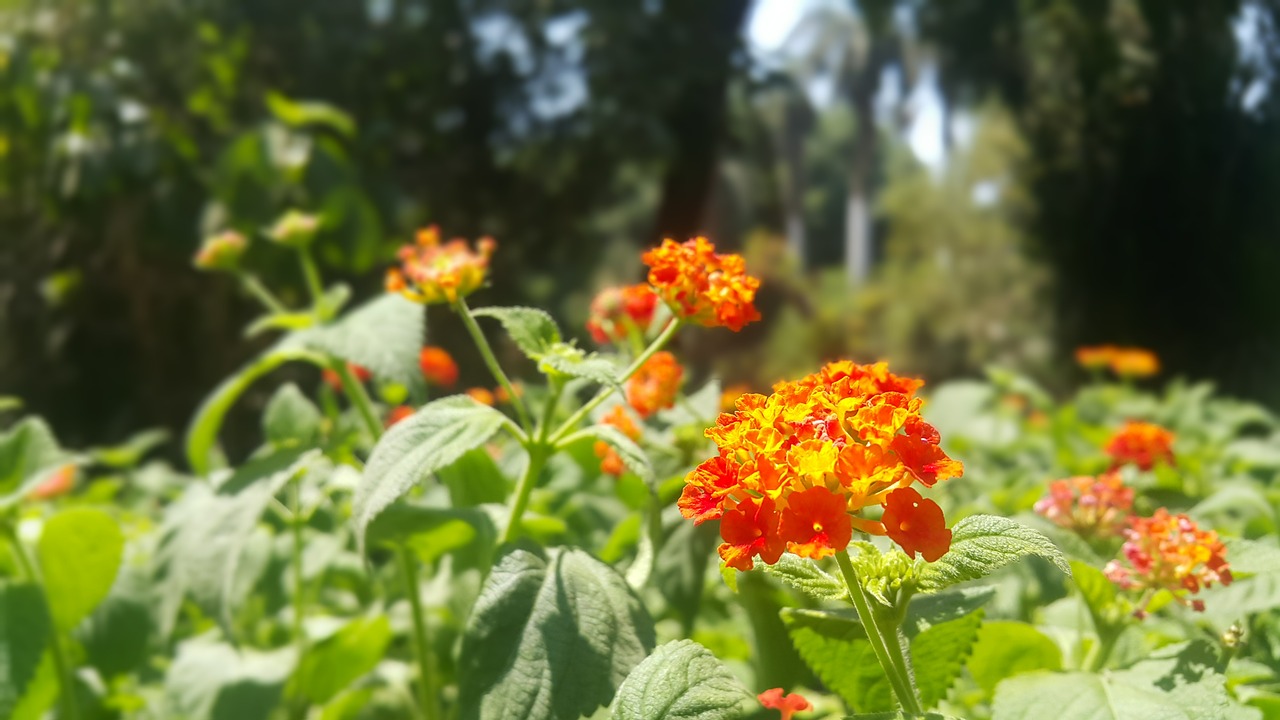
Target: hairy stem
{"type": "Point", "coordinates": [537, 458]}
{"type": "Point", "coordinates": [311, 274]}
{"type": "Point", "coordinates": [883, 636]}
{"type": "Point", "coordinates": [254, 287]}
{"type": "Point", "coordinates": [491, 361]}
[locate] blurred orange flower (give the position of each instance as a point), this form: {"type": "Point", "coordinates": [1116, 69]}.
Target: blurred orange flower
{"type": "Point", "coordinates": [615, 310]}
{"type": "Point", "coordinates": [729, 396]}
{"type": "Point", "coordinates": [431, 272]}
{"type": "Point", "coordinates": [703, 286]}
{"type": "Point", "coordinates": [1130, 362]}
{"type": "Point", "coordinates": [438, 367]}
{"type": "Point", "coordinates": [334, 381]}
{"type": "Point", "coordinates": [221, 251]}
{"type": "Point", "coordinates": [58, 483]}
{"type": "Point", "coordinates": [503, 397]}
{"type": "Point", "coordinates": [397, 413]}
{"type": "Point", "coordinates": [797, 467]}
{"type": "Point", "coordinates": [1142, 444]}
{"type": "Point", "coordinates": [655, 385]}
{"type": "Point", "coordinates": [610, 462]}
{"type": "Point", "coordinates": [789, 705]}
{"type": "Point", "coordinates": [481, 395]}
{"type": "Point", "coordinates": [1170, 552]}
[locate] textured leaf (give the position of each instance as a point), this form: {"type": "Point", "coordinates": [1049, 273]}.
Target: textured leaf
{"type": "Point", "coordinates": [332, 664]}
{"type": "Point", "coordinates": [567, 360]}
{"type": "Point", "coordinates": [79, 554]}
{"type": "Point", "coordinates": [925, 611]}
{"type": "Point", "coordinates": [807, 577]}
{"type": "Point", "coordinates": [213, 681]}
{"type": "Point", "coordinates": [681, 680]}
{"type": "Point", "coordinates": [938, 654]}
{"type": "Point", "coordinates": [550, 638]}
{"type": "Point", "coordinates": [632, 456]}
{"type": "Point", "coordinates": [1112, 696]}
{"type": "Point", "coordinates": [432, 438]}
{"type": "Point", "coordinates": [383, 335]}
{"type": "Point", "coordinates": [982, 544]}
{"type": "Point", "coordinates": [291, 419]}
{"type": "Point", "coordinates": [1005, 648]}
{"type": "Point", "coordinates": [24, 633]}
{"type": "Point", "coordinates": [834, 644]}
{"type": "Point", "coordinates": [532, 330]}
{"type": "Point", "coordinates": [203, 432]}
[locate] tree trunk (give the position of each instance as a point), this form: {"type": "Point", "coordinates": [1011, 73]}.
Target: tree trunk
{"type": "Point", "coordinates": [861, 174]}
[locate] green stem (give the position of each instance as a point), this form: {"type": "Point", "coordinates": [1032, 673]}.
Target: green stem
{"type": "Point", "coordinates": [607, 390]}
{"type": "Point", "coordinates": [491, 361]}
{"type": "Point", "coordinates": [254, 287]}
{"type": "Point", "coordinates": [296, 523]}
{"type": "Point", "coordinates": [66, 681]}
{"type": "Point", "coordinates": [356, 393]}
{"type": "Point", "coordinates": [537, 457]}
{"type": "Point", "coordinates": [312, 275]}
{"type": "Point", "coordinates": [884, 640]}
{"type": "Point", "coordinates": [426, 665]}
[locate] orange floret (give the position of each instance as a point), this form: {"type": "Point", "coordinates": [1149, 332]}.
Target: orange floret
{"type": "Point", "coordinates": [438, 367]}
{"type": "Point", "coordinates": [702, 286]}
{"type": "Point", "coordinates": [435, 272]}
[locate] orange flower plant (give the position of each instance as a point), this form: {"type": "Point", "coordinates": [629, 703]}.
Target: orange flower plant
{"type": "Point", "coordinates": [435, 272]}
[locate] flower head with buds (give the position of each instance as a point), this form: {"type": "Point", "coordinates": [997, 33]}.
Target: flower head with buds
{"type": "Point", "coordinates": [1170, 552]}
{"type": "Point", "coordinates": [222, 251]}
{"type": "Point", "coordinates": [1091, 506]}
{"type": "Point", "coordinates": [796, 468]}
{"type": "Point", "coordinates": [434, 272]}
{"type": "Point", "coordinates": [616, 312]}
{"type": "Point", "coordinates": [295, 229]}
{"type": "Point", "coordinates": [655, 385]}
{"type": "Point", "coordinates": [703, 286]}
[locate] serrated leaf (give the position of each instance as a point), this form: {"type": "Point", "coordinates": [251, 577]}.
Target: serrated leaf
{"type": "Point", "coordinates": [807, 577]}
{"type": "Point", "coordinates": [1112, 696]}
{"type": "Point", "coordinates": [203, 432]}
{"type": "Point", "coordinates": [1006, 648]}
{"type": "Point", "coordinates": [938, 654]}
{"type": "Point", "coordinates": [383, 335]}
{"type": "Point", "coordinates": [210, 680]}
{"type": "Point", "coordinates": [432, 438]}
{"type": "Point", "coordinates": [550, 638]}
{"type": "Point", "coordinates": [635, 459]}
{"type": "Point", "coordinates": [291, 419]}
{"type": "Point", "coordinates": [24, 634]}
{"type": "Point", "coordinates": [532, 330]}
{"type": "Point", "coordinates": [332, 664]}
{"type": "Point", "coordinates": [982, 544]}
{"type": "Point", "coordinates": [681, 680]}
{"type": "Point", "coordinates": [79, 553]}
{"type": "Point", "coordinates": [835, 646]}
{"type": "Point", "coordinates": [570, 361]}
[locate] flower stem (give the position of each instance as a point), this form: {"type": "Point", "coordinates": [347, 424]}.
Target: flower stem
{"type": "Point", "coordinates": [356, 393]}
{"type": "Point", "coordinates": [312, 275]}
{"type": "Point", "coordinates": [883, 636]}
{"type": "Point", "coordinates": [537, 457]}
{"type": "Point", "coordinates": [427, 700]}
{"type": "Point", "coordinates": [296, 523]}
{"type": "Point", "coordinates": [663, 338]}
{"type": "Point", "coordinates": [491, 361]}
{"type": "Point", "coordinates": [254, 287]}
{"type": "Point", "coordinates": [66, 680]}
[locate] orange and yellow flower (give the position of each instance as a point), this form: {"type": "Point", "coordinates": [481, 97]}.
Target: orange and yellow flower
{"type": "Point", "coordinates": [610, 462]}
{"type": "Point", "coordinates": [702, 286]}
{"type": "Point", "coordinates": [655, 385]}
{"type": "Point", "coordinates": [1170, 552]}
{"type": "Point", "coordinates": [1140, 443]}
{"type": "Point", "coordinates": [1133, 362]}
{"type": "Point", "coordinates": [481, 395]}
{"type": "Point", "coordinates": [397, 413]}
{"type": "Point", "coordinates": [788, 705]}
{"type": "Point", "coordinates": [438, 367]}
{"type": "Point", "coordinates": [1093, 507]}
{"type": "Point", "coordinates": [729, 396]}
{"type": "Point", "coordinates": [221, 251]}
{"type": "Point", "coordinates": [796, 468]}
{"type": "Point", "coordinates": [619, 311]}
{"type": "Point", "coordinates": [432, 272]}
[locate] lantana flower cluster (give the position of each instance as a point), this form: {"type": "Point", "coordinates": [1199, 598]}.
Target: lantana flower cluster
{"type": "Point", "coordinates": [1130, 362]}
{"type": "Point", "coordinates": [1170, 552]}
{"type": "Point", "coordinates": [434, 272]}
{"type": "Point", "coordinates": [617, 312]}
{"type": "Point", "coordinates": [702, 286]}
{"type": "Point", "coordinates": [1142, 444]}
{"type": "Point", "coordinates": [796, 468]}
{"type": "Point", "coordinates": [1091, 506]}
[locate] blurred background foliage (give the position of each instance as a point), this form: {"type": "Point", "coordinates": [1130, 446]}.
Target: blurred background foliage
{"type": "Point", "coordinates": [946, 183]}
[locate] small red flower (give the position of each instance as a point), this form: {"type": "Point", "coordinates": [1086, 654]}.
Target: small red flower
{"type": "Point", "coordinates": [615, 312]}
{"type": "Point", "coordinates": [655, 385]}
{"type": "Point", "coordinates": [815, 523]}
{"type": "Point", "coordinates": [398, 413]}
{"type": "Point", "coordinates": [1141, 443]}
{"type": "Point", "coordinates": [916, 524]}
{"type": "Point", "coordinates": [788, 705]}
{"type": "Point", "coordinates": [481, 395]}
{"type": "Point", "coordinates": [750, 528]}
{"type": "Point", "coordinates": [334, 380]}
{"type": "Point", "coordinates": [438, 367]}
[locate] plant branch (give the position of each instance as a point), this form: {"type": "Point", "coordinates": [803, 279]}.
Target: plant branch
{"type": "Point", "coordinates": [426, 666]}
{"type": "Point", "coordinates": [884, 643]}
{"type": "Point", "coordinates": [486, 352]}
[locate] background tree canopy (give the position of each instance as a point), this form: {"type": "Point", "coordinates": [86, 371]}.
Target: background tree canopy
{"type": "Point", "coordinates": [1105, 174]}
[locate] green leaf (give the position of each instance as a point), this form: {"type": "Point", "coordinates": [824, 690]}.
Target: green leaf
{"type": "Point", "coordinates": [1100, 596]}
{"type": "Point", "coordinates": [79, 554]}
{"type": "Point", "coordinates": [1005, 648]}
{"type": "Point", "coordinates": [383, 335]}
{"type": "Point", "coordinates": [300, 320]}
{"type": "Point", "coordinates": [550, 637]}
{"type": "Point", "coordinates": [432, 438]}
{"type": "Point", "coordinates": [431, 532]}
{"type": "Point", "coordinates": [131, 452]}
{"type": "Point", "coordinates": [209, 680]}
{"type": "Point", "coordinates": [301, 114]}
{"type": "Point", "coordinates": [834, 644]}
{"type": "Point", "coordinates": [291, 419]}
{"type": "Point", "coordinates": [982, 544]}
{"type": "Point", "coordinates": [203, 432]}
{"type": "Point", "coordinates": [564, 359]}
{"type": "Point", "coordinates": [27, 452]}
{"type": "Point", "coordinates": [332, 664]}
{"type": "Point", "coordinates": [681, 680]}
{"type": "Point", "coordinates": [807, 577]}
{"type": "Point", "coordinates": [632, 456]}
{"type": "Point", "coordinates": [938, 654]}
{"type": "Point", "coordinates": [533, 330]}
{"type": "Point", "coordinates": [1119, 695]}
{"type": "Point", "coordinates": [901, 715]}
{"type": "Point", "coordinates": [1256, 567]}
{"type": "Point", "coordinates": [925, 611]}
{"type": "Point", "coordinates": [474, 479]}
{"type": "Point", "coordinates": [116, 636]}
{"type": "Point", "coordinates": [41, 692]}
{"type": "Point", "coordinates": [24, 633]}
